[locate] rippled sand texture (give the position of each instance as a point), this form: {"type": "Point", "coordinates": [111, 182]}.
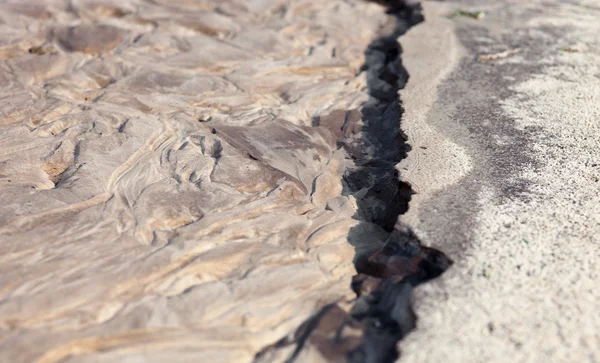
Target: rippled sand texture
{"type": "Point", "coordinates": [162, 192]}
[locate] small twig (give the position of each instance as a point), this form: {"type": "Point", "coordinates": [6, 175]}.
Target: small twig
{"type": "Point", "coordinates": [495, 56]}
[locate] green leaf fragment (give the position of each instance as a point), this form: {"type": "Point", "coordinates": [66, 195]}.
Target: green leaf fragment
{"type": "Point", "coordinates": [471, 14]}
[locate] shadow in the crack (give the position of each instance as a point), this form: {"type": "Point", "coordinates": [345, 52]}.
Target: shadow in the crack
{"type": "Point", "coordinates": [389, 257]}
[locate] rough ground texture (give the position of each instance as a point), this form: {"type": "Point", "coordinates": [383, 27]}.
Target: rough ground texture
{"type": "Point", "coordinates": [163, 191]}
{"type": "Point", "coordinates": [189, 180]}
{"type": "Point", "coordinates": [506, 164]}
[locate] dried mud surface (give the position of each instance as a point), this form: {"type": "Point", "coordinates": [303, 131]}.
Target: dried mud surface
{"type": "Point", "coordinates": [172, 180]}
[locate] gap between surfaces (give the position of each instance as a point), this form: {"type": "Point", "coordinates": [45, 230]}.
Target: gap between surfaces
{"type": "Point", "coordinates": [382, 313]}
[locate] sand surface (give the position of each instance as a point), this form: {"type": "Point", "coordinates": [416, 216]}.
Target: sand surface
{"type": "Point", "coordinates": [163, 192]}
{"type": "Point", "coordinates": [508, 180]}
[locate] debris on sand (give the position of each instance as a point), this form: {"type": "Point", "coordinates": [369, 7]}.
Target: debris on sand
{"type": "Point", "coordinates": [487, 271]}
{"type": "Point", "coordinates": [496, 56]}
{"type": "Point", "coordinates": [569, 50]}
{"type": "Point", "coordinates": [471, 14]}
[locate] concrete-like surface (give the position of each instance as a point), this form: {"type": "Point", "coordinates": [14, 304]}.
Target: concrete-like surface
{"type": "Point", "coordinates": [506, 161]}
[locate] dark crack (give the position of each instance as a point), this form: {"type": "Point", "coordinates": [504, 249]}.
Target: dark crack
{"type": "Point", "coordinates": [382, 312]}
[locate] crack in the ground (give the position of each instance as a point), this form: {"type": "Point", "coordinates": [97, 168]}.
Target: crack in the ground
{"type": "Point", "coordinates": [382, 313]}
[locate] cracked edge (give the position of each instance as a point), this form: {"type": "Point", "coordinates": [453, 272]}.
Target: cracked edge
{"type": "Point", "coordinates": [369, 328]}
